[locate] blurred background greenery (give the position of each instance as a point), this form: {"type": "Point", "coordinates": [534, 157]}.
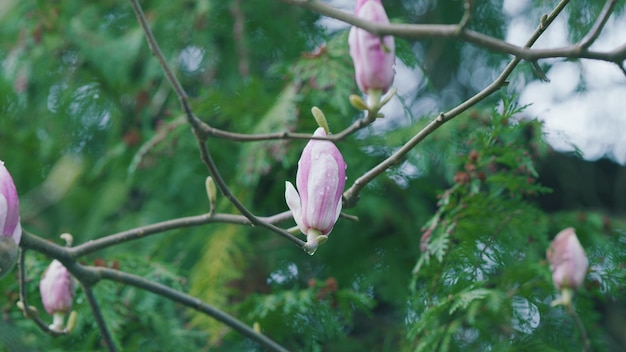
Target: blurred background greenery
{"type": "Point", "coordinates": [96, 144]}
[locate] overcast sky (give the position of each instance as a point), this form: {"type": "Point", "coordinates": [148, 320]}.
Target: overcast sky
{"type": "Point", "coordinates": [594, 119]}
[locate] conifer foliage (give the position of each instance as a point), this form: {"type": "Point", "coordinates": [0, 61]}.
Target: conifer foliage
{"type": "Point", "coordinates": [146, 146]}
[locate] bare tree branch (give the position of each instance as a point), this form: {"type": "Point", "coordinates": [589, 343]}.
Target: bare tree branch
{"type": "Point", "coordinates": [424, 31]}
{"type": "Point", "coordinates": [30, 312]}
{"type": "Point", "coordinates": [200, 131]}
{"type": "Point", "coordinates": [195, 123]}
{"type": "Point", "coordinates": [178, 223]}
{"type": "Point", "coordinates": [254, 220]}
{"type": "Point", "coordinates": [60, 253]}
{"type": "Point", "coordinates": [97, 314]}
{"type": "Point", "coordinates": [415, 31]}
{"type": "Point", "coordinates": [189, 301]}
{"type": "Point", "coordinates": [350, 196]}
{"type": "Point", "coordinates": [89, 276]}
{"type": "Point", "coordinates": [467, 15]}
{"type": "Point", "coordinates": [594, 32]}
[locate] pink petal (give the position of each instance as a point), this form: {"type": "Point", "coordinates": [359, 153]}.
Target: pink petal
{"type": "Point", "coordinates": [293, 202]}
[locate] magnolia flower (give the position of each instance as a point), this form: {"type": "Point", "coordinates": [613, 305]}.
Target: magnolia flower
{"type": "Point", "coordinates": [372, 55]}
{"type": "Point", "coordinates": [321, 178]}
{"type": "Point", "coordinates": [568, 261]}
{"type": "Point", "coordinates": [10, 228]}
{"type": "Point", "coordinates": [57, 293]}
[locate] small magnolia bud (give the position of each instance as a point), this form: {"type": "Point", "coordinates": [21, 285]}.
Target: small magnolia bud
{"type": "Point", "coordinates": [568, 261]}
{"type": "Point", "coordinates": [358, 102]}
{"type": "Point", "coordinates": [211, 191]}
{"type": "Point", "coordinates": [68, 238]}
{"type": "Point", "coordinates": [57, 293]}
{"type": "Point", "coordinates": [71, 321]}
{"type": "Point", "coordinates": [31, 312]}
{"type": "Point", "coordinates": [10, 227]}
{"type": "Point", "coordinates": [372, 55]}
{"type": "Point", "coordinates": [320, 118]}
{"type": "Point", "coordinates": [388, 97]}
{"type": "Point", "coordinates": [320, 179]}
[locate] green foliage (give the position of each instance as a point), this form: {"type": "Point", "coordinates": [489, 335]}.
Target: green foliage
{"type": "Point", "coordinates": [258, 160]}
{"type": "Point", "coordinates": [481, 281]}
{"type": "Point", "coordinates": [307, 319]}
{"type": "Point", "coordinates": [219, 266]}
{"type": "Point", "coordinates": [327, 77]}
{"type": "Point", "coordinates": [448, 250]}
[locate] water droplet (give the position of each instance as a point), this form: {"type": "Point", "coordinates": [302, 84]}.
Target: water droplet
{"type": "Point", "coordinates": [309, 250]}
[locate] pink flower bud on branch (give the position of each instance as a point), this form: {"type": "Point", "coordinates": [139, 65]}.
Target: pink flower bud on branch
{"type": "Point", "coordinates": [372, 55]}
{"type": "Point", "coordinates": [320, 179]}
{"type": "Point", "coordinates": [10, 228]}
{"type": "Point", "coordinates": [568, 260]}
{"type": "Point", "coordinates": [57, 293]}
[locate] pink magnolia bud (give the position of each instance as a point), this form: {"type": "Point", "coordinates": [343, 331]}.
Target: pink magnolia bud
{"type": "Point", "coordinates": [57, 291]}
{"type": "Point", "coordinates": [321, 178]}
{"type": "Point", "coordinates": [568, 261]}
{"type": "Point", "coordinates": [10, 228]}
{"type": "Point", "coordinates": [373, 57]}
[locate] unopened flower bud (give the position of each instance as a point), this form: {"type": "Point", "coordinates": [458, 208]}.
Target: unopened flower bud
{"type": "Point", "coordinates": [68, 238]}
{"type": "Point", "coordinates": [358, 102]}
{"type": "Point", "coordinates": [320, 179]}
{"type": "Point", "coordinates": [211, 191]}
{"type": "Point", "coordinates": [10, 228]}
{"type": "Point", "coordinates": [568, 261]}
{"type": "Point", "coordinates": [372, 55]}
{"type": "Point", "coordinates": [30, 312]}
{"type": "Point", "coordinates": [57, 293]}
{"type": "Point", "coordinates": [71, 321]}
{"type": "Point", "coordinates": [320, 118]}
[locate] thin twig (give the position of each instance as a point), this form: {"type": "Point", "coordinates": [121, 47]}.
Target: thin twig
{"type": "Point", "coordinates": [467, 14]}
{"type": "Point", "coordinates": [59, 253]}
{"type": "Point", "coordinates": [30, 312]}
{"type": "Point", "coordinates": [195, 123]}
{"type": "Point", "coordinates": [89, 276]}
{"type": "Point", "coordinates": [415, 31]}
{"type": "Point", "coordinates": [594, 32]}
{"type": "Point", "coordinates": [579, 325]}
{"type": "Point", "coordinates": [97, 314]}
{"type": "Point", "coordinates": [200, 131]}
{"type": "Point", "coordinates": [350, 196]}
{"type": "Point", "coordinates": [429, 31]}
{"type": "Point", "coordinates": [221, 185]}
{"type": "Point", "coordinates": [179, 223]}
{"type": "Point", "coordinates": [160, 135]}
{"type": "Point", "coordinates": [191, 302]}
